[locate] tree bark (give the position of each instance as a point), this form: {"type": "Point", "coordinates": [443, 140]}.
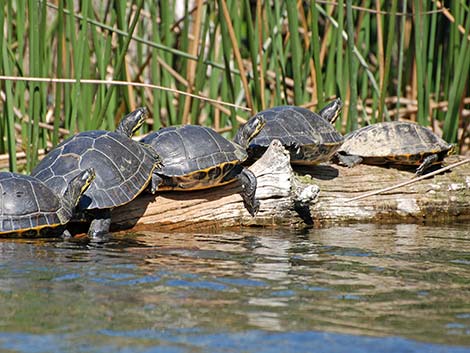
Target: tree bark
{"type": "Point", "coordinates": [315, 195]}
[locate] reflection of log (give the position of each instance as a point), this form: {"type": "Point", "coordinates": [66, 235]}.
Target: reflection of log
{"type": "Point", "coordinates": [287, 199]}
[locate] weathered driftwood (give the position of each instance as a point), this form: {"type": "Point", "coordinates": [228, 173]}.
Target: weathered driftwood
{"type": "Point", "coordinates": [442, 198]}
{"type": "Point", "coordinates": [316, 195]}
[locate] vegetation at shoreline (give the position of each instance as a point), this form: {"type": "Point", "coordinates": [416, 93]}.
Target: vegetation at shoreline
{"type": "Point", "coordinates": [218, 62]}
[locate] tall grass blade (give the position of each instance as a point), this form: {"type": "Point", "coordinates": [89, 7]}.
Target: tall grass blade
{"type": "Point", "coordinates": [352, 111]}
{"type": "Point", "coordinates": [419, 36]}
{"type": "Point", "coordinates": [119, 64]}
{"type": "Point", "coordinates": [261, 67]}
{"type": "Point", "coordinates": [8, 110]}
{"type": "Point", "coordinates": [338, 45]}
{"type": "Point", "coordinates": [401, 56]}
{"type": "Point", "coordinates": [315, 43]}
{"type": "Point", "coordinates": [253, 40]}
{"type": "Point", "coordinates": [191, 67]}
{"type": "Point", "coordinates": [200, 76]}
{"type": "Point", "coordinates": [388, 58]}
{"type": "Point", "coordinates": [236, 52]}
{"type": "Point", "coordinates": [451, 122]}
{"type": "Point", "coordinates": [296, 53]}
{"type": "Point", "coordinates": [36, 106]}
{"type": "Point", "coordinates": [228, 86]}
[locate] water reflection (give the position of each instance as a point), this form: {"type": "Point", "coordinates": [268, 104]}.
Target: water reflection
{"type": "Point", "coordinates": [365, 279]}
{"type": "Point", "coordinates": [271, 263]}
{"type": "Point", "coordinates": [375, 280]}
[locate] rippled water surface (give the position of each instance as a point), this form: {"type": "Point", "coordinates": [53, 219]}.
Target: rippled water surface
{"type": "Point", "coordinates": [363, 288]}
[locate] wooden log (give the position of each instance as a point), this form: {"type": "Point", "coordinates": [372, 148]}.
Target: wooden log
{"type": "Point", "coordinates": [315, 195]}
{"type": "Point", "coordinates": [442, 198]}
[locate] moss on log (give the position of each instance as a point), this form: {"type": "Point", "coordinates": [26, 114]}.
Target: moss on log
{"type": "Point", "coordinates": [310, 196]}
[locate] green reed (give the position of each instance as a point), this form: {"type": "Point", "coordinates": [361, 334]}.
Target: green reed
{"type": "Point", "coordinates": [387, 60]}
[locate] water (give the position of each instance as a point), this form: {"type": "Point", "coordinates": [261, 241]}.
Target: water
{"type": "Point", "coordinates": [361, 288]}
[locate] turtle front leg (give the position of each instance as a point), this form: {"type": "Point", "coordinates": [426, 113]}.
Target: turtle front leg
{"type": "Point", "coordinates": [427, 162]}
{"type": "Point", "coordinates": [154, 183]}
{"type": "Point", "coordinates": [248, 181]}
{"type": "Point", "coordinates": [66, 234]}
{"type": "Point", "coordinates": [348, 160]}
{"type": "Point", "coordinates": [297, 152]}
{"type": "Point", "coordinates": [99, 227]}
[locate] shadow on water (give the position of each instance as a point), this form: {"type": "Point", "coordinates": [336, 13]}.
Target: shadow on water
{"type": "Point", "coordinates": [400, 287]}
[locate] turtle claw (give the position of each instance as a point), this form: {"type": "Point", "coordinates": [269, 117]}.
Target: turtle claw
{"type": "Point", "coordinates": [99, 227]}
{"type": "Point", "coordinates": [248, 182]}
{"type": "Point", "coordinates": [66, 235]}
{"type": "Point", "coordinates": [155, 181]}
{"type": "Point", "coordinates": [427, 162]}
{"type": "Point", "coordinates": [296, 151]}
{"type": "Point", "coordinates": [159, 163]}
{"type": "Point", "coordinates": [348, 160]}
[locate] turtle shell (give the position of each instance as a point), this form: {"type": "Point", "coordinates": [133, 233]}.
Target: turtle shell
{"type": "Point", "coordinates": [308, 137]}
{"type": "Point", "coordinates": [194, 157]}
{"type": "Point", "coordinates": [396, 142]}
{"type": "Point", "coordinates": [27, 206]}
{"type": "Point", "coordinates": [123, 167]}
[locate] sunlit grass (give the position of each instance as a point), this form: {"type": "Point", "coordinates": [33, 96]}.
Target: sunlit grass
{"type": "Point", "coordinates": [217, 62]}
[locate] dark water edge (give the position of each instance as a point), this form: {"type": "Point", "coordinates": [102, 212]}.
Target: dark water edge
{"type": "Point", "coordinates": [362, 288]}
{"type": "Point", "coordinates": [195, 341]}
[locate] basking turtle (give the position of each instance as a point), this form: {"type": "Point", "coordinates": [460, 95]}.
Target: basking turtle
{"type": "Point", "coordinates": [123, 168]}
{"type": "Point", "coordinates": [309, 137]}
{"type": "Point", "coordinates": [28, 207]}
{"type": "Point", "coordinates": [196, 157]}
{"type": "Point", "coordinates": [397, 142]}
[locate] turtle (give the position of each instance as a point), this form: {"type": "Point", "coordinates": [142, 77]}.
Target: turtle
{"type": "Point", "coordinates": [396, 143]}
{"type": "Point", "coordinates": [196, 157]}
{"type": "Point", "coordinates": [123, 168]}
{"type": "Point", "coordinates": [29, 208]}
{"type": "Point", "coordinates": [309, 137]}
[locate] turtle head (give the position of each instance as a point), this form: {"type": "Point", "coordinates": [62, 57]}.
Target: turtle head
{"type": "Point", "coordinates": [248, 132]}
{"type": "Point", "coordinates": [132, 122]}
{"type": "Point", "coordinates": [331, 111]}
{"type": "Point", "coordinates": [451, 150]}
{"type": "Point", "coordinates": [77, 187]}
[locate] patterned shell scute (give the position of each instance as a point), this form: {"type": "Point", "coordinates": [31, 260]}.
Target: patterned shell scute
{"type": "Point", "coordinates": [123, 167]}
{"type": "Point", "coordinates": [192, 148]}
{"type": "Point", "coordinates": [390, 139]}
{"type": "Point", "coordinates": [27, 203]}
{"type": "Point", "coordinates": [295, 126]}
